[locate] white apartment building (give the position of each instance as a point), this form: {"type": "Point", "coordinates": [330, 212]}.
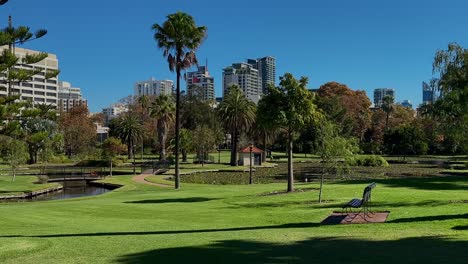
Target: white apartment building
{"type": "Point", "coordinates": [246, 77]}
{"type": "Point", "coordinates": [69, 97]}
{"type": "Point", "coordinates": [37, 89]}
{"type": "Point", "coordinates": [113, 111]}
{"type": "Point", "coordinates": [202, 80]}
{"type": "Point", "coordinates": [153, 87]}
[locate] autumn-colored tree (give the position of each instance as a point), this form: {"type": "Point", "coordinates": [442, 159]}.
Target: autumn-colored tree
{"type": "Point", "coordinates": [111, 148]}
{"type": "Point", "coordinates": [79, 132]}
{"type": "Point", "coordinates": [347, 108]}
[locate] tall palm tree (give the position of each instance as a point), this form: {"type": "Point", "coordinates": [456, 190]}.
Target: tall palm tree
{"type": "Point", "coordinates": [163, 110]}
{"type": "Point", "coordinates": [238, 114]}
{"type": "Point", "coordinates": [387, 107]}
{"type": "Point", "coordinates": [179, 37]}
{"type": "Point", "coordinates": [130, 130]}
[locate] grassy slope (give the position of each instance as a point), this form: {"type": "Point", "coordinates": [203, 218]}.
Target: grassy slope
{"type": "Point", "coordinates": [22, 184]}
{"type": "Point", "coordinates": [232, 224]}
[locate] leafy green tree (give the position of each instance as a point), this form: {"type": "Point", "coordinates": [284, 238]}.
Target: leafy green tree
{"type": "Point", "coordinates": [130, 130]}
{"type": "Point", "coordinates": [237, 114]}
{"type": "Point", "coordinates": [332, 149]}
{"type": "Point", "coordinates": [292, 108]}
{"type": "Point", "coordinates": [111, 148]}
{"type": "Point", "coordinates": [406, 140]}
{"type": "Point", "coordinates": [179, 37]}
{"type": "Point", "coordinates": [204, 141]}
{"type": "Point", "coordinates": [163, 109]}
{"type": "Point", "coordinates": [186, 143]}
{"type": "Point", "coordinates": [14, 153]}
{"type": "Point", "coordinates": [451, 109]}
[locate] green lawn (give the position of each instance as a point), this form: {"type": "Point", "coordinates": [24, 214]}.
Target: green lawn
{"type": "Point", "coordinates": [138, 223]}
{"type": "Point", "coordinates": [22, 184]}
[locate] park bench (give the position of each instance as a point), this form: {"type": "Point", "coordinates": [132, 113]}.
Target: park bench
{"type": "Point", "coordinates": [363, 204]}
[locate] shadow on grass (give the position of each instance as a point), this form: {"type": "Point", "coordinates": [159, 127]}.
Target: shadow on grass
{"type": "Point", "coordinates": [317, 250]}
{"type": "Point", "coordinates": [175, 200]}
{"type": "Point", "coordinates": [171, 232]}
{"type": "Point", "coordinates": [429, 218]}
{"type": "Point", "coordinates": [460, 227]}
{"type": "Point", "coordinates": [432, 183]}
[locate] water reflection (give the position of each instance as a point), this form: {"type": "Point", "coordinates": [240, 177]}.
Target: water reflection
{"type": "Point", "coordinates": [72, 189]}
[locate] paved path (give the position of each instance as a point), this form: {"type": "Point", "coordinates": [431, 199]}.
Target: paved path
{"type": "Point", "coordinates": [141, 179]}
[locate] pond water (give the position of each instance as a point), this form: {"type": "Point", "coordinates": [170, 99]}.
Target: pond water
{"type": "Point", "coordinates": [72, 189]}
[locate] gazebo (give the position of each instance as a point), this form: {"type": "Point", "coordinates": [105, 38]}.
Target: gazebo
{"type": "Point", "coordinates": [244, 156]}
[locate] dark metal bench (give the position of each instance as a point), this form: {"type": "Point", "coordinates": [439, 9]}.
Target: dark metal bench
{"type": "Point", "coordinates": [363, 203]}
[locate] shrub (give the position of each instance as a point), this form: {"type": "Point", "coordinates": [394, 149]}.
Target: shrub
{"type": "Point", "coordinates": [367, 161]}
{"type": "Point", "coordinates": [43, 179]}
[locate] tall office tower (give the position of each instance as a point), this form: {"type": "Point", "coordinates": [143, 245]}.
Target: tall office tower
{"type": "Point", "coordinates": [69, 97]}
{"type": "Point", "coordinates": [380, 93]}
{"type": "Point", "coordinates": [429, 95]}
{"type": "Point", "coordinates": [37, 89]}
{"type": "Point", "coordinates": [407, 103]}
{"type": "Point", "coordinates": [153, 87]}
{"type": "Point", "coordinates": [267, 70]}
{"type": "Point", "coordinates": [246, 77]}
{"type": "Point", "coordinates": [202, 83]}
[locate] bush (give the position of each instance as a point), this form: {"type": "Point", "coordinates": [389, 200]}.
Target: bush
{"type": "Point", "coordinates": [367, 161]}
{"type": "Point", "coordinates": [43, 179]}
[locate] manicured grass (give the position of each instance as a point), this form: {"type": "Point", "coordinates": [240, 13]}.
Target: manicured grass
{"type": "Point", "coordinates": [236, 224]}
{"type": "Point", "coordinates": [22, 184]}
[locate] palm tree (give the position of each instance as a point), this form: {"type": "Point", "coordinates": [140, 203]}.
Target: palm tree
{"type": "Point", "coordinates": [387, 107]}
{"type": "Point", "coordinates": [130, 130]}
{"type": "Point", "coordinates": [179, 37]}
{"type": "Point", "coordinates": [163, 110]}
{"type": "Point", "coordinates": [238, 115]}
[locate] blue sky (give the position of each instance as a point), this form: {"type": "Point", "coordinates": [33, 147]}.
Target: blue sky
{"type": "Point", "coordinates": [105, 46]}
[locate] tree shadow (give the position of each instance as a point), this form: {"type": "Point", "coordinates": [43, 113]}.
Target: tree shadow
{"type": "Point", "coordinates": [317, 250]}
{"type": "Point", "coordinates": [446, 183]}
{"type": "Point", "coordinates": [171, 232]}
{"type": "Point", "coordinates": [460, 227]}
{"type": "Point", "coordinates": [174, 200]}
{"type": "Point", "coordinates": [429, 218]}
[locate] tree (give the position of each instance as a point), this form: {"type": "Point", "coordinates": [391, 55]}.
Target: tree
{"type": "Point", "coordinates": [179, 37]}
{"type": "Point", "coordinates": [291, 108]}
{"type": "Point", "coordinates": [79, 132]}
{"type": "Point", "coordinates": [111, 148]}
{"type": "Point", "coordinates": [406, 140]}
{"type": "Point", "coordinates": [237, 114]}
{"type": "Point", "coordinates": [347, 108]}
{"type": "Point", "coordinates": [13, 152]}
{"type": "Point", "coordinates": [332, 149]}
{"type": "Point", "coordinates": [163, 110]}
{"type": "Point", "coordinates": [204, 141]}
{"type": "Point", "coordinates": [451, 109]}
{"type": "Point", "coordinates": [387, 107]}
{"type": "Point", "coordinates": [186, 143]}
{"type": "Point", "coordinates": [130, 130]}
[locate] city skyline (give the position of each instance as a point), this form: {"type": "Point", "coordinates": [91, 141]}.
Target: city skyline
{"type": "Point", "coordinates": [365, 45]}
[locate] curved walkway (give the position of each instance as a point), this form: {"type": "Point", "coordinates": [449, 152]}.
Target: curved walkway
{"type": "Point", "coordinates": [142, 179]}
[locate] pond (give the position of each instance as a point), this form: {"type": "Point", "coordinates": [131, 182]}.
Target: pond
{"type": "Point", "coordinates": [73, 189]}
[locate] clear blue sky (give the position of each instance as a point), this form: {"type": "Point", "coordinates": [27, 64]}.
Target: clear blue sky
{"type": "Point", "coordinates": [105, 46]}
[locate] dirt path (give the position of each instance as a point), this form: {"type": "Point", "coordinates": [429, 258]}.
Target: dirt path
{"type": "Point", "coordinates": [141, 179]}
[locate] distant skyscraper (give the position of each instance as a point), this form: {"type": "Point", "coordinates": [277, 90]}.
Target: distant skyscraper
{"type": "Point", "coordinates": [69, 97]}
{"type": "Point", "coordinates": [407, 103]}
{"type": "Point", "coordinates": [428, 94]}
{"type": "Point", "coordinates": [380, 93]}
{"type": "Point", "coordinates": [202, 80]}
{"type": "Point", "coordinates": [153, 87]}
{"type": "Point", "coordinates": [267, 70]}
{"type": "Point", "coordinates": [246, 77]}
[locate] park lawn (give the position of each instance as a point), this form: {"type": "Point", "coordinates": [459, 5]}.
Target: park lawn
{"type": "Point", "coordinates": [22, 184]}
{"type": "Point", "coordinates": [237, 224]}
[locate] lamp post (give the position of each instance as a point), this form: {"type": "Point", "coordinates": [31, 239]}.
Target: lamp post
{"type": "Point", "coordinates": [250, 171]}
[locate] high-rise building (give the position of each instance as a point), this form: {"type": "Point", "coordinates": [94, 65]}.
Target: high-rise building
{"type": "Point", "coordinates": [429, 95]}
{"type": "Point", "coordinates": [153, 87]}
{"type": "Point", "coordinates": [37, 89]}
{"type": "Point", "coordinates": [201, 82]}
{"type": "Point", "coordinates": [69, 97]}
{"type": "Point", "coordinates": [380, 93]}
{"type": "Point", "coordinates": [267, 70]}
{"type": "Point", "coordinates": [246, 77]}
{"type": "Point", "coordinates": [407, 103]}
{"type": "Point", "coordinates": [113, 111]}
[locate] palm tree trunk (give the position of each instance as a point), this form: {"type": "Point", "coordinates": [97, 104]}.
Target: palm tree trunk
{"type": "Point", "coordinates": [162, 143]}
{"type": "Point", "coordinates": [177, 126]}
{"type": "Point", "coordinates": [234, 148]}
{"type": "Point", "coordinates": [290, 163]}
